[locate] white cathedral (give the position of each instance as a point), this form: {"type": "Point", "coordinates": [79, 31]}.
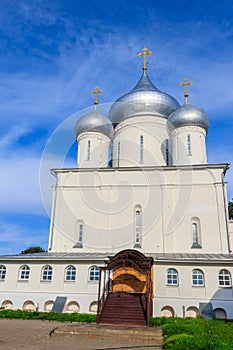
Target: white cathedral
{"type": "Point", "coordinates": [140, 227]}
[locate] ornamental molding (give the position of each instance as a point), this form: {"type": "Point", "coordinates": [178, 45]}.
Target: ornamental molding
{"type": "Point", "coordinates": [92, 134]}
{"type": "Point", "coordinates": [190, 128]}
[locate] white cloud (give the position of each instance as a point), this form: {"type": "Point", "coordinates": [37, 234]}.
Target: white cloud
{"type": "Point", "coordinates": [15, 238]}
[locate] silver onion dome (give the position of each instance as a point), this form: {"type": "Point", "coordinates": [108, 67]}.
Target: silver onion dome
{"type": "Point", "coordinates": [145, 98]}
{"type": "Point", "coordinates": [188, 115]}
{"type": "Point", "coordinates": [96, 122]}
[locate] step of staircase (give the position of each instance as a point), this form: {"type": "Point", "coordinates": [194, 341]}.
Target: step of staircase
{"type": "Point", "coordinates": [140, 335]}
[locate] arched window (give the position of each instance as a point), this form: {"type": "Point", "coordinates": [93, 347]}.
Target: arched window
{"type": "Point", "coordinates": [197, 278]}
{"type": "Point", "coordinates": [138, 227]}
{"type": "Point", "coordinates": [48, 305]}
{"type": "Point", "coordinates": [88, 150]}
{"type": "Point", "coordinates": [72, 306]}
{"type": "Point", "coordinates": [172, 277]}
{"type": "Point", "coordinates": [7, 304]}
{"type": "Point", "coordinates": [189, 145]}
{"type": "Point", "coordinates": [141, 155]}
{"type": "Point", "coordinates": [167, 311]}
{"type": "Point", "coordinates": [47, 273]}
{"type": "Point", "coordinates": [93, 306]}
{"type": "Point", "coordinates": [24, 272]}
{"type": "Point", "coordinates": [29, 306]}
{"type": "Point", "coordinates": [94, 274]}
{"type": "Point", "coordinates": [224, 278]}
{"type": "Point", "coordinates": [70, 273]}
{"type": "Point", "coordinates": [196, 233]}
{"type": "Point", "coordinates": [2, 272]}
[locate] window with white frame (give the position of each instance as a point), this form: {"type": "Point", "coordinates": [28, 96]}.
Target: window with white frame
{"type": "Point", "coordinates": [24, 272]}
{"type": "Point", "coordinates": [2, 272]}
{"type": "Point", "coordinates": [94, 274]}
{"type": "Point", "coordinates": [70, 273]}
{"type": "Point", "coordinates": [141, 156]}
{"type": "Point", "coordinates": [88, 149]}
{"type": "Point", "coordinates": [189, 145]}
{"type": "Point", "coordinates": [138, 227]}
{"type": "Point", "coordinates": [224, 278]}
{"type": "Point", "coordinates": [197, 278]}
{"type": "Point", "coordinates": [172, 277]}
{"type": "Point", "coordinates": [47, 273]}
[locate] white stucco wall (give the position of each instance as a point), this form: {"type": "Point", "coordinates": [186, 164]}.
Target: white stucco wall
{"type": "Point", "coordinates": [170, 198]}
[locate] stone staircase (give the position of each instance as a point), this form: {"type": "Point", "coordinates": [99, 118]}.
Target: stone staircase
{"type": "Point", "coordinates": [124, 308]}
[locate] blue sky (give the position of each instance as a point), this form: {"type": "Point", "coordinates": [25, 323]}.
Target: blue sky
{"type": "Point", "coordinates": [53, 53]}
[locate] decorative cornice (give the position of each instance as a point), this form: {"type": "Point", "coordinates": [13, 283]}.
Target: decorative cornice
{"type": "Point", "coordinates": [92, 134]}
{"type": "Point", "coordinates": [190, 128]}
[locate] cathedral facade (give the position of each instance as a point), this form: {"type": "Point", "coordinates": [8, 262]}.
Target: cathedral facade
{"type": "Point", "coordinates": [143, 213]}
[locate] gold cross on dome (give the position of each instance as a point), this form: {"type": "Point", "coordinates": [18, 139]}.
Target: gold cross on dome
{"type": "Point", "coordinates": [96, 92]}
{"type": "Point", "coordinates": [143, 54]}
{"type": "Point", "coordinates": [186, 83]}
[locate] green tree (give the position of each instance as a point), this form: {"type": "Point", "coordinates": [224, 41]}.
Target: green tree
{"type": "Point", "coordinates": [230, 209]}
{"type": "Point", "coordinates": [32, 250]}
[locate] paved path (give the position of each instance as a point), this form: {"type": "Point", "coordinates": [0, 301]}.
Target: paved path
{"type": "Point", "coordinates": [35, 335]}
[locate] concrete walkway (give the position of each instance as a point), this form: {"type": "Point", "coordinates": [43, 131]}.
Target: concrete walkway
{"type": "Point", "coordinates": [50, 335]}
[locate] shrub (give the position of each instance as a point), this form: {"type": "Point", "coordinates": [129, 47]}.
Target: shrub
{"type": "Point", "coordinates": [61, 317]}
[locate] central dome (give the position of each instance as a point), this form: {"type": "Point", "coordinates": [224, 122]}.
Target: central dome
{"type": "Point", "coordinates": [145, 98]}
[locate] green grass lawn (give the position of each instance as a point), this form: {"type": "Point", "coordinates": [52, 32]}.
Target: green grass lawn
{"type": "Point", "coordinates": [195, 334]}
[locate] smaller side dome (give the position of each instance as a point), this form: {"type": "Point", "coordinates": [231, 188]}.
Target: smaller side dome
{"type": "Point", "coordinates": [189, 115]}
{"type": "Point", "coordinates": [96, 122]}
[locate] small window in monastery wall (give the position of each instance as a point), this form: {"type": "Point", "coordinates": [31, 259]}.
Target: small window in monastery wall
{"type": "Point", "coordinates": [47, 273]}
{"type": "Point", "coordinates": [2, 272]}
{"type": "Point", "coordinates": [172, 277]}
{"type": "Point", "coordinates": [167, 311]}
{"type": "Point", "coordinates": [224, 278]}
{"type": "Point", "coordinates": [7, 304]}
{"type": "Point", "coordinates": [141, 154]}
{"type": "Point", "coordinates": [197, 278]}
{"type": "Point", "coordinates": [94, 274]}
{"type": "Point", "coordinates": [70, 273]}
{"type": "Point", "coordinates": [220, 314]}
{"type": "Point", "coordinates": [72, 306]}
{"type": "Point", "coordinates": [79, 229]}
{"type": "Point", "coordinates": [196, 233]}
{"type": "Point", "coordinates": [48, 305]}
{"type": "Point", "coordinates": [24, 273]}
{"type": "Point", "coordinates": [29, 306]}
{"type": "Point", "coordinates": [138, 226]}
{"type": "Point", "coordinates": [88, 150]}
{"type": "Point", "coordinates": [192, 311]}
{"type": "Point", "coordinates": [189, 145]}
{"type": "Point", "coordinates": [93, 307]}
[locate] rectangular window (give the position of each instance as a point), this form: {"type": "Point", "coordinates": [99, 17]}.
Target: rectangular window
{"type": "Point", "coordinates": [189, 144]}
{"type": "Point", "coordinates": [138, 227]}
{"type": "Point", "coordinates": [167, 152]}
{"type": "Point", "coordinates": [141, 149]}
{"type": "Point", "coordinates": [88, 150]}
{"type": "Point", "coordinates": [80, 237]}
{"type": "Point", "coordinates": [118, 153]}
